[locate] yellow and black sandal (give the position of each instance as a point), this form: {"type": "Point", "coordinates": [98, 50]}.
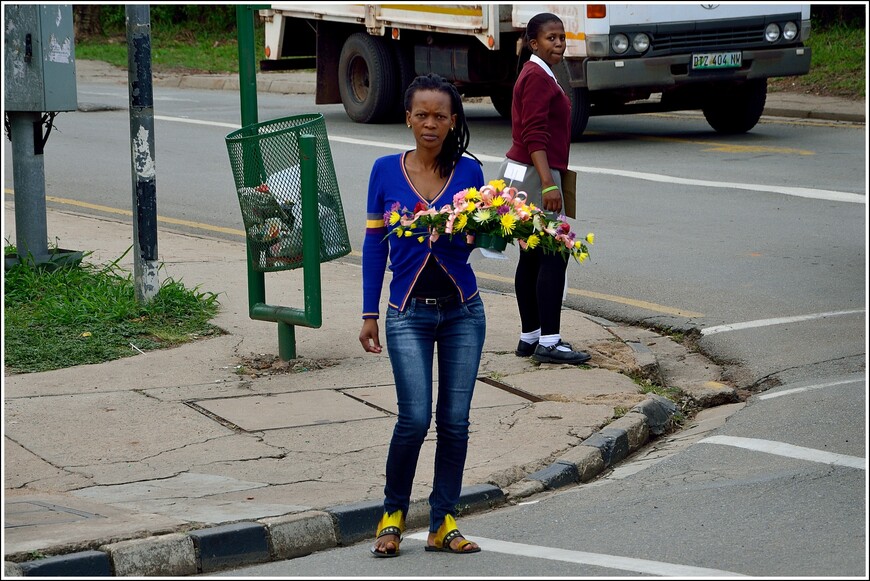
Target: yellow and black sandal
{"type": "Point", "coordinates": [390, 524]}
{"type": "Point", "coordinates": [445, 534]}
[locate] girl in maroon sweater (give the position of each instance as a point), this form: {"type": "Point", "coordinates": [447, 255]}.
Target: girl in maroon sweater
{"type": "Point", "coordinates": [541, 140]}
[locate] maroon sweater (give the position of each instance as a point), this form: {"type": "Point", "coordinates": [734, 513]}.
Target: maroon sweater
{"type": "Point", "coordinates": [541, 118]}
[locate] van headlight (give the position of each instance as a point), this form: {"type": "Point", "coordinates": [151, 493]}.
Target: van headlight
{"type": "Point", "coordinates": [619, 43]}
{"type": "Point", "coordinates": [640, 42]}
{"type": "Point", "coordinates": [771, 33]}
{"type": "Point", "coordinates": [789, 31]}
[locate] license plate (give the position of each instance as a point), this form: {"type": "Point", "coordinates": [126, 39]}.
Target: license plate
{"type": "Point", "coordinates": [717, 60]}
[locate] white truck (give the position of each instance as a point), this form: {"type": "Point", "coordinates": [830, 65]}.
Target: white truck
{"type": "Point", "coordinates": [620, 58]}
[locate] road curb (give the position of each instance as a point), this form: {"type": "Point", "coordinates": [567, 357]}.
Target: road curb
{"type": "Point", "coordinates": [286, 537]}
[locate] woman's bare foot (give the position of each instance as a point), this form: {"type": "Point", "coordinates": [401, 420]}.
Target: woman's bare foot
{"type": "Point", "coordinates": [454, 544]}
{"type": "Point", "coordinates": [387, 544]}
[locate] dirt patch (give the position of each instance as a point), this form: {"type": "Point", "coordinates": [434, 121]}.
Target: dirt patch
{"type": "Point", "coordinates": [263, 364]}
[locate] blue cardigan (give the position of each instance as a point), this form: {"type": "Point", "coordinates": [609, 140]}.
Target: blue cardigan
{"type": "Point", "coordinates": [389, 184]}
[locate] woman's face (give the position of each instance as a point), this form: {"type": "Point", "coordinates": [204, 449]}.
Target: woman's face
{"type": "Point", "coordinates": [431, 118]}
{"type": "Point", "coordinates": [549, 45]}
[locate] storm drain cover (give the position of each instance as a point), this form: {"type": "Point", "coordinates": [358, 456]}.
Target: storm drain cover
{"type": "Point", "coordinates": [287, 410]}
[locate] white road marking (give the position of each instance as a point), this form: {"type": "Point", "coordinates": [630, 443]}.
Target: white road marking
{"type": "Point", "coordinates": [596, 559]}
{"type": "Point", "coordinates": [813, 193]}
{"type": "Point", "coordinates": [776, 321]}
{"type": "Point", "coordinates": [788, 450]}
{"type": "Point", "coordinates": [197, 122]}
{"type": "Point", "coordinates": [817, 194]}
{"type": "Point", "coordinates": [806, 388]}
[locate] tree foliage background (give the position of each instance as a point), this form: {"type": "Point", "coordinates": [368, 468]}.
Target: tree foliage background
{"type": "Point", "coordinates": [96, 19]}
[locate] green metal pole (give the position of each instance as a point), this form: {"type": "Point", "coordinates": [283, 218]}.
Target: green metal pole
{"type": "Point", "coordinates": [248, 100]}
{"type": "Point", "coordinates": [310, 231]}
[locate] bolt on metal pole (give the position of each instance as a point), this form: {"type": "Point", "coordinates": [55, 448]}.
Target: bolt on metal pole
{"type": "Point", "coordinates": [142, 151]}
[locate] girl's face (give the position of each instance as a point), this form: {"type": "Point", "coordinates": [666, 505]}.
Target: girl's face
{"type": "Point", "coordinates": [549, 45]}
{"type": "Point", "coordinates": [431, 118]}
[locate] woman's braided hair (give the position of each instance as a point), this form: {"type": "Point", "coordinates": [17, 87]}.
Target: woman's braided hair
{"type": "Point", "coordinates": [456, 142]}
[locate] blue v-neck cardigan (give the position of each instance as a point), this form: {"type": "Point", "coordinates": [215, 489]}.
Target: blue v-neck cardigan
{"type": "Point", "coordinates": [389, 184]}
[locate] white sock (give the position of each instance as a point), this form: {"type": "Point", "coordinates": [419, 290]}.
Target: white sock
{"type": "Point", "coordinates": [550, 340]}
{"type": "Point", "coordinates": [530, 338]}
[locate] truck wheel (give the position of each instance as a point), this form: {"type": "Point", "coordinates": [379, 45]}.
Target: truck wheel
{"type": "Point", "coordinates": [405, 66]}
{"type": "Point", "coordinates": [366, 78]}
{"type": "Point", "coordinates": [503, 101]}
{"type": "Point", "coordinates": [736, 108]}
{"type": "Point", "coordinates": [579, 111]}
{"type": "Point", "coordinates": [579, 97]}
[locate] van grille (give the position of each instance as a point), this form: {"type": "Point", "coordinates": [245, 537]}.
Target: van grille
{"type": "Point", "coordinates": [707, 39]}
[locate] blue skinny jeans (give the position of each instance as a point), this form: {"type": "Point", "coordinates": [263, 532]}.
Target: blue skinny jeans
{"type": "Point", "coordinates": [459, 330]}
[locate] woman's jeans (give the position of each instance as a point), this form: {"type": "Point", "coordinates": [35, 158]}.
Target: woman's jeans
{"type": "Point", "coordinates": [459, 330]}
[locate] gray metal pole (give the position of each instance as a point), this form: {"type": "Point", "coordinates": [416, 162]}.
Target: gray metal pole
{"type": "Point", "coordinates": [28, 174]}
{"type": "Point", "coordinates": [142, 150]}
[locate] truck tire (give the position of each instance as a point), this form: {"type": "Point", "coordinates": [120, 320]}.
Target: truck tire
{"type": "Point", "coordinates": [503, 101]}
{"type": "Point", "coordinates": [367, 78]}
{"type": "Point", "coordinates": [406, 74]}
{"type": "Point", "coordinates": [579, 97]}
{"type": "Point", "coordinates": [737, 108]}
{"type": "Point", "coordinates": [579, 111]}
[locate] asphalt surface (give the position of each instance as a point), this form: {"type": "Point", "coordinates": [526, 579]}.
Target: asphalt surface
{"type": "Point", "coordinates": [217, 454]}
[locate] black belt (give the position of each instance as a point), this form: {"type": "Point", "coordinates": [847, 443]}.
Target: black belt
{"type": "Point", "coordinates": [436, 302]}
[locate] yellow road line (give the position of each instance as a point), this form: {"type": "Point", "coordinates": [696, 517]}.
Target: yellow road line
{"type": "Point", "coordinates": [211, 228]}
{"type": "Point", "coordinates": [611, 298]}
{"type": "Point", "coordinates": [160, 219]}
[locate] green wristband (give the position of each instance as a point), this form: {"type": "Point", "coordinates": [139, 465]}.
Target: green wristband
{"type": "Point", "coordinates": [550, 189]}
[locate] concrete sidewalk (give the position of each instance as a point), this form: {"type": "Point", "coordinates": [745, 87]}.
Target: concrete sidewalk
{"type": "Point", "coordinates": [215, 454]}
{"type": "Point", "coordinates": [188, 460]}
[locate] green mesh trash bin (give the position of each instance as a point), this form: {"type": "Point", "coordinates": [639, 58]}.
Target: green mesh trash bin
{"type": "Point", "coordinates": [265, 161]}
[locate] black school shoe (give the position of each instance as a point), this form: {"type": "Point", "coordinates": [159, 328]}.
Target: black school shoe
{"type": "Point", "coordinates": [553, 355]}
{"type": "Point", "coordinates": [525, 349]}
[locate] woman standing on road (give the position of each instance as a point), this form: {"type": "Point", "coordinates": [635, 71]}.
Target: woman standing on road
{"type": "Point", "coordinates": [433, 300]}
{"type": "Point", "coordinates": [541, 140]}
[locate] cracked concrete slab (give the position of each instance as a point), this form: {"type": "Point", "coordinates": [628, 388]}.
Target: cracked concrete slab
{"type": "Point", "coordinates": [107, 524]}
{"type": "Point", "coordinates": [269, 412]}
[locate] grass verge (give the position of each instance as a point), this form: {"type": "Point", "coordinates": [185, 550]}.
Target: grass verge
{"type": "Point", "coordinates": [175, 50]}
{"type": "Point", "coordinates": [839, 66]}
{"type": "Point", "coordinates": [838, 62]}
{"type": "Point", "coordinates": [85, 313]}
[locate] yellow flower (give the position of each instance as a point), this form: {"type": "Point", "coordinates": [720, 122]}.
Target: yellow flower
{"type": "Point", "coordinates": [590, 238]}
{"type": "Point", "coordinates": [497, 201]}
{"type": "Point", "coordinates": [533, 240]}
{"type": "Point", "coordinates": [399, 232]}
{"type": "Point", "coordinates": [508, 222]}
{"type": "Point", "coordinates": [472, 194]}
{"type": "Point", "coordinates": [407, 233]}
{"type": "Point", "coordinates": [394, 217]}
{"type": "Point", "coordinates": [497, 184]}
{"type": "Point", "coordinates": [421, 238]}
{"type": "Point", "coordinates": [461, 222]}
{"type": "Point", "coordinates": [583, 256]}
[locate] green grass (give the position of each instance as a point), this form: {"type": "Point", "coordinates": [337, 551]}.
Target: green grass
{"type": "Point", "coordinates": [84, 313]}
{"type": "Point", "coordinates": [175, 49]}
{"type": "Point", "coordinates": [838, 68]}
{"type": "Point", "coordinates": [838, 64]}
